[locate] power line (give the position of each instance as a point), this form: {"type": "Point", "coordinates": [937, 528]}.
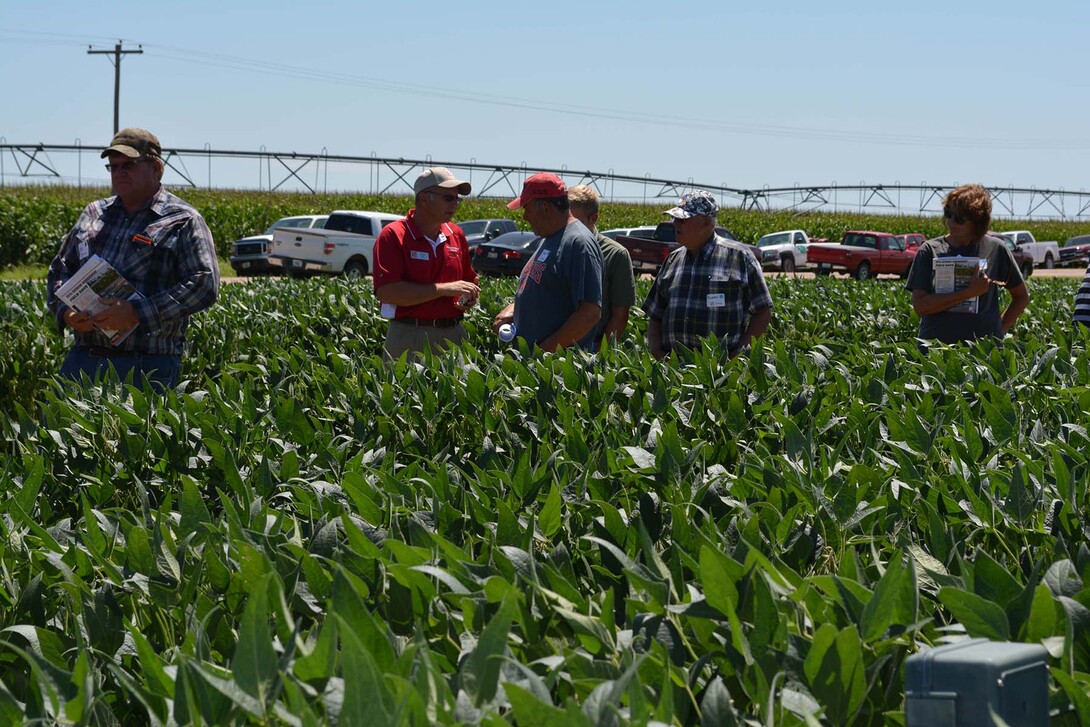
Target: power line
{"type": "Point", "coordinates": [280, 70]}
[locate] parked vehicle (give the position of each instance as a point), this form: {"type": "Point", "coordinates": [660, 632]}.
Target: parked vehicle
{"type": "Point", "coordinates": [1022, 259]}
{"type": "Point", "coordinates": [250, 255]}
{"type": "Point", "coordinates": [1076, 251]}
{"type": "Point", "coordinates": [478, 231]}
{"type": "Point", "coordinates": [346, 245]}
{"type": "Point", "coordinates": [913, 240]}
{"type": "Point", "coordinates": [784, 250]}
{"type": "Point", "coordinates": [1045, 254]}
{"type": "Point", "coordinates": [648, 253]}
{"type": "Point", "coordinates": [646, 232]}
{"type": "Point", "coordinates": [505, 255]}
{"type": "Point", "coordinates": [863, 255]}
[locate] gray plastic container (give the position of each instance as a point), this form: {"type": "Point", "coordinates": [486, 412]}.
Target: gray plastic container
{"type": "Point", "coordinates": [954, 685]}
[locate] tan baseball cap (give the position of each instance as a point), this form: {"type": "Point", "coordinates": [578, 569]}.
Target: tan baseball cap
{"type": "Point", "coordinates": [134, 143]}
{"type": "Point", "coordinates": [440, 177]}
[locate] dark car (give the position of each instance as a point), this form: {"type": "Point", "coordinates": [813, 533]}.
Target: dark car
{"type": "Point", "coordinates": [1022, 259]}
{"type": "Point", "coordinates": [505, 255]}
{"type": "Point", "coordinates": [478, 231]}
{"type": "Point", "coordinates": [1076, 251]}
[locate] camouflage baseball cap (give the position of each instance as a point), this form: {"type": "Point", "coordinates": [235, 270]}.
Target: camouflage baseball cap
{"type": "Point", "coordinates": [134, 143]}
{"type": "Point", "coordinates": [698, 203]}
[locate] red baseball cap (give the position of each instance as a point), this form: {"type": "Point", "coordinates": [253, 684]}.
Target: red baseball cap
{"type": "Point", "coordinates": [542, 185]}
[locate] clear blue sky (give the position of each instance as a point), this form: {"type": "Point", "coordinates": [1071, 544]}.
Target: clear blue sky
{"type": "Point", "coordinates": [745, 94]}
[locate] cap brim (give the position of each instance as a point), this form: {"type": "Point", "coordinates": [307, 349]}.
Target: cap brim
{"type": "Point", "coordinates": [120, 149]}
{"type": "Point", "coordinates": [679, 214]}
{"type": "Point", "coordinates": [464, 188]}
{"type": "Point", "coordinates": [515, 204]}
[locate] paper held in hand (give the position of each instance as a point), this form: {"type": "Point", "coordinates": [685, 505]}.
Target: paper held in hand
{"type": "Point", "coordinates": [93, 282]}
{"type": "Point", "coordinates": [953, 274]}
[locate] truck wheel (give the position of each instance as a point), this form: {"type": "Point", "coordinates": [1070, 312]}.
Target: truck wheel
{"type": "Point", "coordinates": [863, 271]}
{"type": "Point", "coordinates": [788, 264]}
{"type": "Point", "coordinates": [354, 269]}
{"type": "Point", "coordinates": [1049, 262]}
{"type": "Point", "coordinates": [1027, 270]}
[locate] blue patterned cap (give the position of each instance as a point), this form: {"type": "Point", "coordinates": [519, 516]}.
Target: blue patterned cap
{"type": "Point", "coordinates": [698, 203]}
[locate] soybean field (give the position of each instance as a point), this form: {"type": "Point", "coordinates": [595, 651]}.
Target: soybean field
{"type": "Point", "coordinates": [303, 535]}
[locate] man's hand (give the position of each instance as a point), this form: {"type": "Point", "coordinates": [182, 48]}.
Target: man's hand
{"type": "Point", "coordinates": [507, 315]}
{"type": "Point", "coordinates": [465, 294]}
{"type": "Point", "coordinates": [78, 321]}
{"type": "Point", "coordinates": [117, 316]}
{"type": "Point", "coordinates": [458, 288]}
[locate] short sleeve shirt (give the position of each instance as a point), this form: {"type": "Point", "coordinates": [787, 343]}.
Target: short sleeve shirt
{"type": "Point", "coordinates": [565, 271]}
{"type": "Point", "coordinates": [951, 327]}
{"type": "Point", "coordinates": [403, 253]}
{"type": "Point", "coordinates": [618, 283]}
{"type": "Point", "coordinates": [713, 292]}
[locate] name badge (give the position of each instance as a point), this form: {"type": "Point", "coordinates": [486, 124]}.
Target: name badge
{"type": "Point", "coordinates": [543, 256]}
{"type": "Point", "coordinates": [717, 300]}
{"type": "Point", "coordinates": [419, 255]}
{"type": "Point", "coordinates": [84, 250]}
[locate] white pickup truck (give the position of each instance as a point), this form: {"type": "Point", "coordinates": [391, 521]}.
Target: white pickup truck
{"type": "Point", "coordinates": [784, 250]}
{"type": "Point", "coordinates": [1045, 254]}
{"type": "Point", "coordinates": [345, 246]}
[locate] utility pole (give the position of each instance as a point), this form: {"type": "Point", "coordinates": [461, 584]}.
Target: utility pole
{"type": "Point", "coordinates": [117, 53]}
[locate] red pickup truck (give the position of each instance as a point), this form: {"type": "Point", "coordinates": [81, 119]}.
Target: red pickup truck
{"type": "Point", "coordinates": [648, 254]}
{"type": "Point", "coordinates": [863, 255]}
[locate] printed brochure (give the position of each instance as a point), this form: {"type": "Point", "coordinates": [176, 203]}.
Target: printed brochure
{"type": "Point", "coordinates": [953, 274]}
{"type": "Point", "coordinates": [93, 282]}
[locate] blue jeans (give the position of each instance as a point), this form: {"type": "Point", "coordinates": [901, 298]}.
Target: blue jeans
{"type": "Point", "coordinates": [160, 369]}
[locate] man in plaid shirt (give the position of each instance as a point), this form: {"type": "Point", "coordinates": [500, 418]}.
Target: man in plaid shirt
{"type": "Point", "coordinates": [709, 286]}
{"type": "Point", "coordinates": [157, 242]}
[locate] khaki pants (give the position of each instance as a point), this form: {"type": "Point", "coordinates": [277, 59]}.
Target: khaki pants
{"type": "Point", "coordinates": [402, 337]}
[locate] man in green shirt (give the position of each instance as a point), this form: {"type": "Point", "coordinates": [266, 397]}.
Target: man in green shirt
{"type": "Point", "coordinates": [618, 284]}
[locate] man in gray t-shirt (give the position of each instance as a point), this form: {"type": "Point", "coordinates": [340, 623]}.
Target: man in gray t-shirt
{"type": "Point", "coordinates": [558, 302]}
{"type": "Point", "coordinates": [967, 212]}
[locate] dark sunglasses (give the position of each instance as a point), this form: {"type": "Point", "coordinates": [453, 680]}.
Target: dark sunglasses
{"type": "Point", "coordinates": [955, 218]}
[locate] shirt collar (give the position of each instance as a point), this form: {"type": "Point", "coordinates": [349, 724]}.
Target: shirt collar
{"type": "Point", "coordinates": [410, 224]}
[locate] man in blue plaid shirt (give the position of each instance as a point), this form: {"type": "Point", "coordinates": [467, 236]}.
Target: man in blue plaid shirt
{"type": "Point", "coordinates": [161, 245]}
{"type": "Point", "coordinates": [709, 286]}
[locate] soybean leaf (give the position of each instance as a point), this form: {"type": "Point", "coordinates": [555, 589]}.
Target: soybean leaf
{"type": "Point", "coordinates": [979, 616]}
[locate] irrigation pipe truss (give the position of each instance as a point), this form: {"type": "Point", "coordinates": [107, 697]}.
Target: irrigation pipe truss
{"type": "Point", "coordinates": [387, 175]}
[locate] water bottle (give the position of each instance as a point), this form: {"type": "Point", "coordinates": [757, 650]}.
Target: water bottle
{"type": "Point", "coordinates": [507, 332]}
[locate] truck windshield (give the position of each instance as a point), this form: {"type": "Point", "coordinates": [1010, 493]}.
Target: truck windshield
{"type": "Point", "coordinates": [349, 223]}
{"type": "Point", "coordinates": [473, 227]}
{"type": "Point", "coordinates": [781, 238]}
{"type": "Point", "coordinates": [861, 241]}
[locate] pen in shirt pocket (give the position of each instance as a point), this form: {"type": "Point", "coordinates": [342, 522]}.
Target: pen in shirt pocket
{"type": "Point", "coordinates": [143, 240]}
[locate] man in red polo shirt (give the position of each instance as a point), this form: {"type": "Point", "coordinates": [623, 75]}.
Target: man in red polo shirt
{"type": "Point", "coordinates": [423, 276]}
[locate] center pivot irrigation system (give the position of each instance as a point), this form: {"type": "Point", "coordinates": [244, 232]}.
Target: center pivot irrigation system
{"type": "Point", "coordinates": [277, 170]}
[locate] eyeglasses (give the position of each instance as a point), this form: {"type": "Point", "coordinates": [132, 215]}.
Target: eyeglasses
{"type": "Point", "coordinates": [955, 218]}
{"type": "Point", "coordinates": [123, 166]}
{"type": "Point", "coordinates": [446, 197]}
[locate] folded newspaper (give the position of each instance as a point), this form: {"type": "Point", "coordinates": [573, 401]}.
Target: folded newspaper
{"type": "Point", "coordinates": [955, 273]}
{"type": "Point", "coordinates": [91, 284]}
